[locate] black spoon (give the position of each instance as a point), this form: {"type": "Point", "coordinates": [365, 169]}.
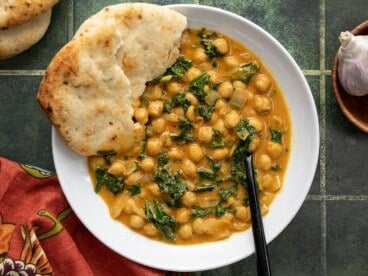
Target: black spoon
{"type": "Point", "coordinates": [263, 264]}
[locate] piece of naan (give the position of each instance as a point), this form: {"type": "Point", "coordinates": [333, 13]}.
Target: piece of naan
{"type": "Point", "coordinates": [19, 38]}
{"type": "Point", "coordinates": [16, 12]}
{"type": "Point", "coordinates": [88, 88]}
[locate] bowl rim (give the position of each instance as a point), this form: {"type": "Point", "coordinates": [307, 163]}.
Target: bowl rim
{"type": "Point", "coordinates": [337, 88]}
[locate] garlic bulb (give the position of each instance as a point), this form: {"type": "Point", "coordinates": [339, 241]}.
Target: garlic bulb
{"type": "Point", "coordinates": [353, 63]}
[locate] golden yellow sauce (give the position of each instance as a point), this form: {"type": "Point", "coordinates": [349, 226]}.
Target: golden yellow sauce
{"type": "Point", "coordinates": [194, 140]}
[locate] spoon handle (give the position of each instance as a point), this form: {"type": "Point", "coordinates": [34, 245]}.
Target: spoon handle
{"type": "Point", "coordinates": [263, 264]}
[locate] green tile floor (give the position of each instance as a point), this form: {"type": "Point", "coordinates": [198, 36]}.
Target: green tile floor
{"type": "Point", "coordinates": [329, 234]}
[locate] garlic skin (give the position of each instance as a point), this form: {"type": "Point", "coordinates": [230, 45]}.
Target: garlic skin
{"type": "Point", "coordinates": [353, 63]}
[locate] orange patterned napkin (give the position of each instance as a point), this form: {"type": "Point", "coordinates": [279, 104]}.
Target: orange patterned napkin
{"type": "Point", "coordinates": [40, 234]}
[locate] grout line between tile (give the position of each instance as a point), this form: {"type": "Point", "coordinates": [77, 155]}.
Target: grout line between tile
{"type": "Point", "coordinates": [337, 197]}
{"type": "Point", "coordinates": [22, 72]}
{"type": "Point", "coordinates": [70, 30]}
{"type": "Point", "coordinates": [322, 30]}
{"type": "Point", "coordinates": [316, 72]}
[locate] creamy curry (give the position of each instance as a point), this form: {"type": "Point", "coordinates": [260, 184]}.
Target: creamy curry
{"type": "Point", "coordinates": [184, 182]}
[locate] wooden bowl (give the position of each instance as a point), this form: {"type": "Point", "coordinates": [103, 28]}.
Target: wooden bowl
{"type": "Point", "coordinates": [354, 108]}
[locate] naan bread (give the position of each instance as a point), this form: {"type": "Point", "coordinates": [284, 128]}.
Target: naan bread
{"type": "Point", "coordinates": [16, 12]}
{"type": "Point", "coordinates": [21, 37]}
{"type": "Point", "coordinates": [88, 86]}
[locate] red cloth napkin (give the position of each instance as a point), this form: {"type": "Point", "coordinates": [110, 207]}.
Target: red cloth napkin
{"type": "Point", "coordinates": [40, 234]}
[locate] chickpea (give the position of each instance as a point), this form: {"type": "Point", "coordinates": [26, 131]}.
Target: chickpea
{"type": "Point", "coordinates": [154, 92]}
{"type": "Point", "coordinates": [256, 123]}
{"type": "Point", "coordinates": [150, 230]}
{"type": "Point", "coordinates": [228, 216]}
{"type": "Point", "coordinates": [155, 108]}
{"type": "Point", "coordinates": [274, 150]}
{"type": "Point", "coordinates": [189, 199]}
{"type": "Point", "coordinates": [242, 213]}
{"type": "Point", "coordinates": [214, 76]}
{"type": "Point", "coordinates": [220, 126]}
{"type": "Point", "coordinates": [189, 168]}
{"type": "Point", "coordinates": [221, 45]}
{"type": "Point", "coordinates": [179, 111]}
{"type": "Point", "coordinates": [158, 125]}
{"type": "Point", "coordinates": [154, 189]}
{"type": "Point", "coordinates": [225, 89]}
{"type": "Point", "coordinates": [136, 222]}
{"type": "Point", "coordinates": [232, 61]}
{"type": "Point", "coordinates": [182, 215]}
{"type": "Point", "coordinates": [232, 119]}
{"type": "Point", "coordinates": [193, 99]}
{"type": "Point", "coordinates": [147, 164]}
{"type": "Point", "coordinates": [220, 104]}
{"type": "Point", "coordinates": [254, 144]}
{"type": "Point", "coordinates": [191, 113]}
{"type": "Point", "coordinates": [195, 152]}
{"type": "Point", "coordinates": [173, 87]}
{"type": "Point", "coordinates": [270, 183]}
{"type": "Point", "coordinates": [276, 122]}
{"type": "Point", "coordinates": [154, 146]}
{"type": "Point", "coordinates": [175, 154]}
{"type": "Point", "coordinates": [134, 178]}
{"type": "Point", "coordinates": [141, 115]}
{"type": "Point", "coordinates": [266, 198]}
{"type": "Point", "coordinates": [264, 209]}
{"type": "Point", "coordinates": [263, 104]}
{"type": "Point", "coordinates": [192, 73]}
{"type": "Point", "coordinates": [200, 55]}
{"type": "Point", "coordinates": [239, 85]}
{"type": "Point", "coordinates": [223, 112]}
{"type": "Point", "coordinates": [97, 162]}
{"type": "Point", "coordinates": [205, 134]}
{"type": "Point", "coordinates": [186, 231]}
{"type": "Point", "coordinates": [172, 118]}
{"type": "Point", "coordinates": [214, 117]}
{"type": "Point", "coordinates": [220, 154]}
{"type": "Point", "coordinates": [266, 181]}
{"type": "Point", "coordinates": [263, 83]}
{"type": "Point", "coordinates": [199, 227]}
{"type": "Point", "coordinates": [264, 162]}
{"type": "Point", "coordinates": [117, 168]}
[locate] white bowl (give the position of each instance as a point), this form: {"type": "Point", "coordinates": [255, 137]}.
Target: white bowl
{"type": "Point", "coordinates": [72, 171]}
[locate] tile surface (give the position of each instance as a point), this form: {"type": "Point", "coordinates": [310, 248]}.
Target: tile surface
{"type": "Point", "coordinates": [329, 234]}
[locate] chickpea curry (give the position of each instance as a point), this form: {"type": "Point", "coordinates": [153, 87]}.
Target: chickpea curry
{"type": "Point", "coordinates": [185, 181]}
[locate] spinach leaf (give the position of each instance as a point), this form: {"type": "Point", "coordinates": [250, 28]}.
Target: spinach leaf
{"type": "Point", "coordinates": [210, 49]}
{"type": "Point", "coordinates": [197, 86]}
{"type": "Point", "coordinates": [112, 183]}
{"type": "Point", "coordinates": [221, 209]}
{"type": "Point", "coordinates": [107, 155]}
{"type": "Point", "coordinates": [276, 136]}
{"type": "Point", "coordinates": [216, 140]}
{"type": "Point", "coordinates": [162, 160]}
{"type": "Point", "coordinates": [244, 130]}
{"type": "Point", "coordinates": [202, 34]}
{"type": "Point", "coordinates": [245, 72]}
{"type": "Point", "coordinates": [205, 111]}
{"type": "Point", "coordinates": [178, 100]}
{"type": "Point", "coordinates": [205, 174]}
{"type": "Point", "coordinates": [199, 212]}
{"type": "Point", "coordinates": [171, 185]}
{"type": "Point", "coordinates": [185, 126]}
{"type": "Point", "coordinates": [205, 188]}
{"type": "Point", "coordinates": [134, 190]}
{"type": "Point", "coordinates": [166, 224]}
{"type": "Point", "coordinates": [180, 67]}
{"type": "Point", "coordinates": [226, 193]}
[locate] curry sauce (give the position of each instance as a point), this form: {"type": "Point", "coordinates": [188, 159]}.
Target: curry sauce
{"type": "Point", "coordinates": [184, 182]}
